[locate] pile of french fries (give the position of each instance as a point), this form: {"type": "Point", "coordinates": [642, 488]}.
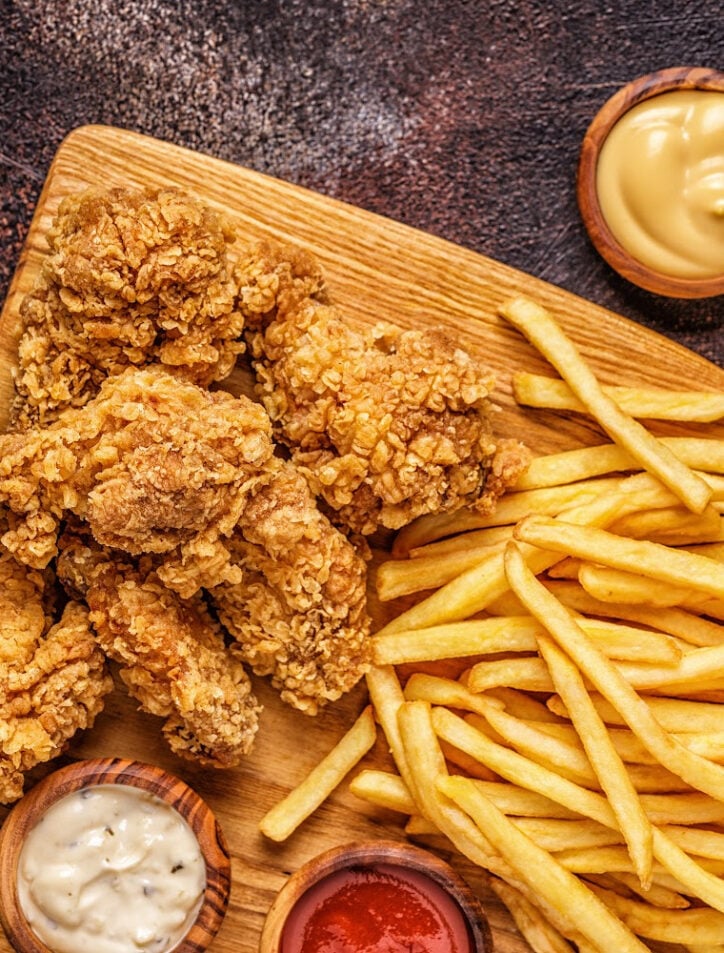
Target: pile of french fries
{"type": "Point", "coordinates": [553, 703]}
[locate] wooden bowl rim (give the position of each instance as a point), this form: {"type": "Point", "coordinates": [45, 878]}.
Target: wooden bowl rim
{"type": "Point", "coordinates": [637, 91]}
{"type": "Point", "coordinates": [148, 778]}
{"type": "Point", "coordinates": [361, 853]}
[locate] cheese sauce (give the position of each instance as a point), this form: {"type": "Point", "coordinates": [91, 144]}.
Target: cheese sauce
{"type": "Point", "coordinates": [111, 869]}
{"type": "Point", "coordinates": [660, 183]}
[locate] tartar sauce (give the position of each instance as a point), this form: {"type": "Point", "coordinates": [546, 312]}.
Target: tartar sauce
{"type": "Point", "coordinates": [660, 182]}
{"type": "Point", "coordinates": [112, 869]}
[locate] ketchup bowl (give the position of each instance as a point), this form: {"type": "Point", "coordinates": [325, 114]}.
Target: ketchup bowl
{"type": "Point", "coordinates": [650, 182]}
{"type": "Point", "coordinates": [367, 892]}
{"type": "Point", "coordinates": [107, 853]}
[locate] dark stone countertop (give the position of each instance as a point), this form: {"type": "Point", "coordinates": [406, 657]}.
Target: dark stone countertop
{"type": "Point", "coordinates": [462, 118]}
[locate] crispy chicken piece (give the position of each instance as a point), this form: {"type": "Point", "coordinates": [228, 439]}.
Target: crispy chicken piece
{"type": "Point", "coordinates": [299, 612]}
{"type": "Point", "coordinates": [387, 424]}
{"type": "Point", "coordinates": [53, 677]}
{"type": "Point", "coordinates": [133, 276]}
{"type": "Point", "coordinates": [152, 465]}
{"type": "Point", "coordinates": [172, 653]}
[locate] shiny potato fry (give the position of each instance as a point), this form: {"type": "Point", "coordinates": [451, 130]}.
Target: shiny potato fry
{"type": "Point", "coordinates": [534, 390]}
{"type": "Point", "coordinates": [673, 714]}
{"type": "Point", "coordinates": [584, 463]}
{"type": "Point", "coordinates": [541, 329]}
{"type": "Point", "coordinates": [664, 563]}
{"type": "Point", "coordinates": [693, 670]}
{"type": "Point", "coordinates": [403, 577]}
{"type": "Point", "coordinates": [383, 789]}
{"type": "Point", "coordinates": [678, 622]}
{"type": "Point", "coordinates": [385, 693]}
{"type": "Point", "coordinates": [541, 872]}
{"type": "Point", "coordinates": [603, 758]}
{"type": "Point", "coordinates": [527, 672]}
{"type": "Point", "coordinates": [489, 536]}
{"type": "Point", "coordinates": [622, 586]}
{"type": "Point", "coordinates": [284, 818]}
{"type": "Point", "coordinates": [554, 834]}
{"type": "Point", "coordinates": [695, 925]}
{"type": "Point", "coordinates": [541, 935]}
{"type": "Point", "coordinates": [671, 526]}
{"type": "Point", "coordinates": [655, 894]}
{"type": "Point", "coordinates": [456, 640]}
{"type": "Point", "coordinates": [696, 771]}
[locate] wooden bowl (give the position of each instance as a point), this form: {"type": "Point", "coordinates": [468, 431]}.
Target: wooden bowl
{"type": "Point", "coordinates": [152, 780]}
{"type": "Point", "coordinates": [363, 854]}
{"type": "Point", "coordinates": [646, 87]}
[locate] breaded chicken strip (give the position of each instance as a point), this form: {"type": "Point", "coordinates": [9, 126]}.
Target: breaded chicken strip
{"type": "Point", "coordinates": [387, 425]}
{"type": "Point", "coordinates": [53, 677]}
{"type": "Point", "coordinates": [299, 612]}
{"type": "Point", "coordinates": [172, 653]}
{"type": "Point", "coordinates": [133, 276]}
{"type": "Point", "coordinates": [152, 465]}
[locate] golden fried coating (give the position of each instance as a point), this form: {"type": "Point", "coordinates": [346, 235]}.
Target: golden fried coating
{"type": "Point", "coordinates": [152, 465]}
{"type": "Point", "coordinates": [134, 276]}
{"type": "Point", "coordinates": [387, 424]}
{"type": "Point", "coordinates": [298, 613]}
{"type": "Point", "coordinates": [172, 653]}
{"type": "Point", "coordinates": [52, 677]}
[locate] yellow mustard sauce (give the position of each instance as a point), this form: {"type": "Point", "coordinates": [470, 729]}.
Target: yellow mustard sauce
{"type": "Point", "coordinates": [111, 869]}
{"type": "Point", "coordinates": [660, 183]}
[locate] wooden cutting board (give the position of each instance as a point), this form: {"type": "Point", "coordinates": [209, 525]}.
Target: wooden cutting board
{"type": "Point", "coordinates": [377, 270]}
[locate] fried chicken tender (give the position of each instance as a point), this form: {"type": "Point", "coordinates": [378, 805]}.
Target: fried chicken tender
{"type": "Point", "coordinates": [299, 612]}
{"type": "Point", "coordinates": [171, 651]}
{"type": "Point", "coordinates": [53, 677]}
{"type": "Point", "coordinates": [152, 465]}
{"type": "Point", "coordinates": [134, 276]}
{"type": "Point", "coordinates": [387, 424]}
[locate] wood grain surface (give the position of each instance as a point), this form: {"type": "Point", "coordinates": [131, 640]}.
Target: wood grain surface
{"type": "Point", "coordinates": [377, 270]}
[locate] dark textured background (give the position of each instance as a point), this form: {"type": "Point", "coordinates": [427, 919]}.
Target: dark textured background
{"type": "Point", "coordinates": [462, 118]}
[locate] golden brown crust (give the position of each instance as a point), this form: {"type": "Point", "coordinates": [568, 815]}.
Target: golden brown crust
{"type": "Point", "coordinates": [133, 276]}
{"type": "Point", "coordinates": [171, 651]}
{"type": "Point", "coordinates": [299, 611]}
{"type": "Point", "coordinates": [387, 424]}
{"type": "Point", "coordinates": [53, 677]}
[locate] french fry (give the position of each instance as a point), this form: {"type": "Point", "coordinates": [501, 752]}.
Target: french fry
{"type": "Point", "coordinates": [545, 334]}
{"type": "Point", "coordinates": [616, 585]}
{"type": "Point", "coordinates": [540, 934]}
{"type": "Point", "coordinates": [534, 390]}
{"type": "Point", "coordinates": [672, 566]}
{"type": "Point", "coordinates": [384, 789]}
{"type": "Point", "coordinates": [669, 926]}
{"type": "Point", "coordinates": [696, 771]}
{"type": "Point", "coordinates": [655, 894]}
{"type": "Point", "coordinates": [678, 622]}
{"type": "Point", "coordinates": [672, 526]}
{"type": "Point", "coordinates": [603, 757]}
{"type": "Point", "coordinates": [673, 714]}
{"type": "Point", "coordinates": [284, 818]}
{"type": "Point", "coordinates": [403, 577]}
{"type": "Point", "coordinates": [540, 871]}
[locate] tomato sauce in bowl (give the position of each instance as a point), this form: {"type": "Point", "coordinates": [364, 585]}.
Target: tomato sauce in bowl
{"type": "Point", "coordinates": [376, 897]}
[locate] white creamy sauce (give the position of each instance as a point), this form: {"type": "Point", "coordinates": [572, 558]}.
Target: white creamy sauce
{"type": "Point", "coordinates": [111, 869]}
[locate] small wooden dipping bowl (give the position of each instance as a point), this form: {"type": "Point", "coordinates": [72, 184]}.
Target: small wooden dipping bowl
{"type": "Point", "coordinates": [151, 780]}
{"type": "Point", "coordinates": [370, 854]}
{"type": "Point", "coordinates": [618, 257]}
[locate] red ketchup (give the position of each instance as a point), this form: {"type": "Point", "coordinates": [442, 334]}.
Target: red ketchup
{"type": "Point", "coordinates": [379, 909]}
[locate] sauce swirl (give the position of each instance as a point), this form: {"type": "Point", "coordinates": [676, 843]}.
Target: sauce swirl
{"type": "Point", "coordinates": [660, 183]}
{"type": "Point", "coordinates": [113, 869]}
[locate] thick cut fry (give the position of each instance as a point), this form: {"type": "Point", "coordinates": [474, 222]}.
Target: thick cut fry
{"type": "Point", "coordinates": [541, 872]}
{"type": "Point", "coordinates": [534, 390]}
{"type": "Point", "coordinates": [696, 771]}
{"type": "Point", "coordinates": [457, 640]}
{"type": "Point", "coordinates": [612, 775]}
{"type": "Point", "coordinates": [584, 463]}
{"type": "Point", "coordinates": [675, 567]}
{"type": "Point", "coordinates": [545, 334]}
{"type": "Point", "coordinates": [284, 818]}
{"type": "Point", "coordinates": [540, 934]}
{"type": "Point", "coordinates": [672, 526]}
{"type": "Point", "coordinates": [673, 714]}
{"type": "Point", "coordinates": [668, 926]}
{"type": "Point", "coordinates": [679, 622]}
{"type": "Point", "coordinates": [402, 577]}
{"type": "Point", "coordinates": [384, 789]}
